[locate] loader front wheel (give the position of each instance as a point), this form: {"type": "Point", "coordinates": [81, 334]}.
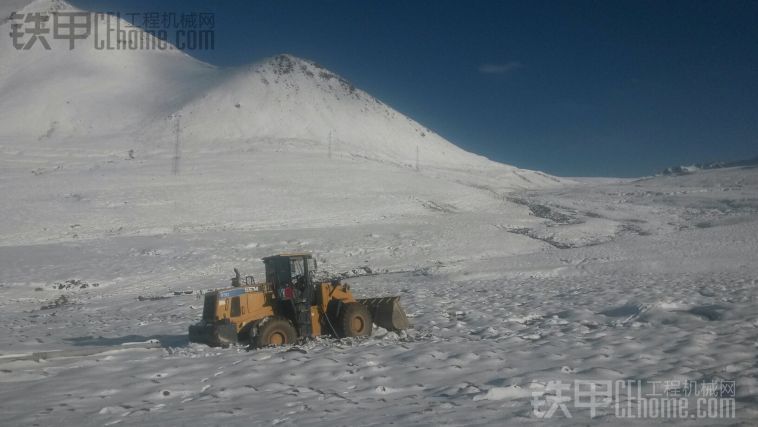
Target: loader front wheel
{"type": "Point", "coordinates": [275, 332]}
{"type": "Point", "coordinates": [355, 320]}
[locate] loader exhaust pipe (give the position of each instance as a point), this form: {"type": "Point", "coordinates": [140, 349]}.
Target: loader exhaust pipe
{"type": "Point", "coordinates": [387, 312]}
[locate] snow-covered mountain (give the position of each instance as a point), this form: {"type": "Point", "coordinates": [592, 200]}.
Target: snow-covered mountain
{"type": "Point", "coordinates": [287, 98]}
{"type": "Point", "coordinates": [282, 102]}
{"type": "Point", "coordinates": [281, 143]}
{"type": "Point", "coordinates": [686, 169]}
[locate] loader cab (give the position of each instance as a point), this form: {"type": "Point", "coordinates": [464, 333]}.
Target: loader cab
{"type": "Point", "coordinates": [293, 269]}
{"type": "Point", "coordinates": [291, 277]}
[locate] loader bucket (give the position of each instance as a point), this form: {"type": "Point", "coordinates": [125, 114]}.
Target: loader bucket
{"type": "Point", "coordinates": [387, 312]}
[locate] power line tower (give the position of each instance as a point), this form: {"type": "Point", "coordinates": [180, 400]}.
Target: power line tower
{"type": "Point", "coordinates": [177, 143]}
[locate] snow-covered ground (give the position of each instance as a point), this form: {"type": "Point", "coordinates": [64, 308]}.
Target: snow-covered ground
{"type": "Point", "coordinates": [507, 289]}
{"type": "Point", "coordinates": [512, 278]}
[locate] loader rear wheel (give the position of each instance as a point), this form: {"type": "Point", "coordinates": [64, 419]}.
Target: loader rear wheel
{"type": "Point", "coordinates": [355, 320]}
{"type": "Point", "coordinates": [275, 332]}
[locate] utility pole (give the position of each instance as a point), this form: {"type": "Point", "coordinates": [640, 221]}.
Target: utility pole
{"type": "Point", "coordinates": [330, 145]}
{"type": "Point", "coordinates": [177, 146]}
{"type": "Point", "coordinates": [417, 168]}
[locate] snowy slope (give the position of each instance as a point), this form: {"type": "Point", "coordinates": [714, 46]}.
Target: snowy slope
{"type": "Point", "coordinates": [86, 92]}
{"type": "Point", "coordinates": [9, 6]}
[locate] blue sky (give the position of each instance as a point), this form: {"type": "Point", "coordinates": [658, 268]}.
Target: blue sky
{"type": "Point", "coordinates": [573, 88]}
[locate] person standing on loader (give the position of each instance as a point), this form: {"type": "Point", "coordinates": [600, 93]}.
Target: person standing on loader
{"type": "Point", "coordinates": [302, 305]}
{"type": "Point", "coordinates": [292, 280]}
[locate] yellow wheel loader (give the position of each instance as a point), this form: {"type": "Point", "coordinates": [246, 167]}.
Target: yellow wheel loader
{"type": "Point", "coordinates": [289, 306]}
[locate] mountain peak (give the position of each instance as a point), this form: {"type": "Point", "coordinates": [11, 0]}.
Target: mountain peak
{"type": "Point", "coordinates": [47, 6]}
{"type": "Point", "coordinates": [287, 63]}
{"type": "Point", "coordinates": [284, 64]}
{"type": "Point", "coordinates": [289, 66]}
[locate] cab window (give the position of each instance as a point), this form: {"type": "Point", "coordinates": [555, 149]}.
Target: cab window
{"type": "Point", "coordinates": [235, 310]}
{"type": "Point", "coordinates": [296, 268]}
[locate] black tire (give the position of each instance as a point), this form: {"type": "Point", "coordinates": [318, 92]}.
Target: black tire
{"type": "Point", "coordinates": [355, 320]}
{"type": "Point", "coordinates": [275, 331]}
